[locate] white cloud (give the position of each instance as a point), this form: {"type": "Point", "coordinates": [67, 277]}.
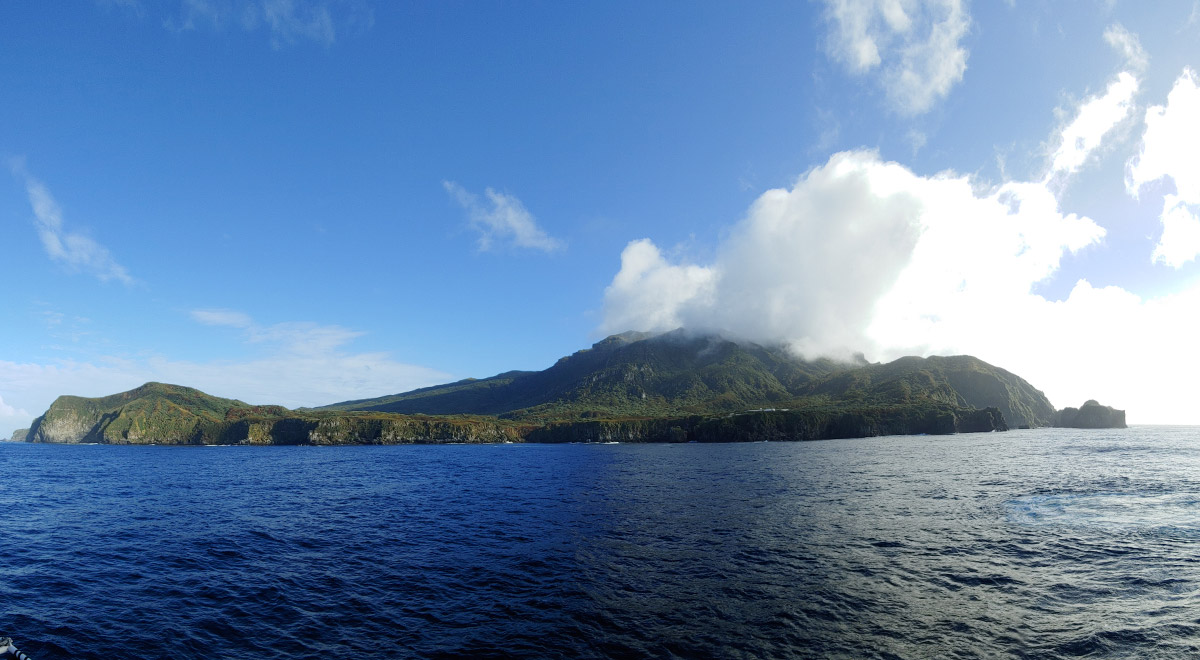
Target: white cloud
{"type": "Point", "coordinates": [287, 22]}
{"type": "Point", "coordinates": [503, 219]}
{"type": "Point", "coordinates": [1128, 44]}
{"type": "Point", "coordinates": [297, 337]}
{"type": "Point", "coordinates": [649, 293]}
{"type": "Point", "coordinates": [863, 254]}
{"type": "Point", "coordinates": [222, 317]}
{"type": "Point", "coordinates": [300, 364]}
{"type": "Point", "coordinates": [853, 240]}
{"type": "Point", "coordinates": [75, 250]}
{"type": "Point", "coordinates": [290, 21]}
{"type": "Point", "coordinates": [914, 44]}
{"type": "Point", "coordinates": [1180, 242]}
{"type": "Point", "coordinates": [12, 419]}
{"type": "Point", "coordinates": [1168, 151]}
{"type": "Point", "coordinates": [1096, 118]}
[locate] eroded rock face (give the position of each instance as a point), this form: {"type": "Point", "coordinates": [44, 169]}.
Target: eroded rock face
{"type": "Point", "coordinates": [62, 426]}
{"type": "Point", "coordinates": [1091, 415]}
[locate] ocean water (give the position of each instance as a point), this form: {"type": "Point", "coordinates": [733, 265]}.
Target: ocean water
{"type": "Point", "coordinates": [1026, 544]}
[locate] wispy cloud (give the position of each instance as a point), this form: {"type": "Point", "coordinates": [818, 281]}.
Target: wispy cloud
{"type": "Point", "coordinates": [914, 46]}
{"type": "Point", "coordinates": [222, 317]}
{"type": "Point", "coordinates": [290, 21]}
{"type": "Point", "coordinates": [501, 219]}
{"type": "Point", "coordinates": [1128, 44]}
{"type": "Point", "coordinates": [294, 364]}
{"type": "Point", "coordinates": [8, 411]}
{"type": "Point", "coordinates": [287, 22]}
{"type": "Point", "coordinates": [73, 249]}
{"type": "Point", "coordinates": [12, 419]}
{"type": "Point", "coordinates": [294, 337]}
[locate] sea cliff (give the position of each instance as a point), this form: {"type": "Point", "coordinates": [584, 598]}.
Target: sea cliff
{"type": "Point", "coordinates": [155, 414]}
{"type": "Point", "coordinates": [1091, 415]}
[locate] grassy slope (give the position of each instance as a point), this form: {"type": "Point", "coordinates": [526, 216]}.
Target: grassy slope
{"type": "Point", "coordinates": [168, 413]}
{"type": "Point", "coordinates": [649, 387]}
{"type": "Point", "coordinates": [959, 380]}
{"type": "Point", "coordinates": [624, 375]}
{"type": "Point", "coordinates": [633, 375]}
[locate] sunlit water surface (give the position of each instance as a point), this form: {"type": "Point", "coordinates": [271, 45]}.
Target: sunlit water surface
{"type": "Point", "coordinates": [1027, 544]}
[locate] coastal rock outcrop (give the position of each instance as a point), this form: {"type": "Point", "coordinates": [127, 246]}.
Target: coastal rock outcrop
{"type": "Point", "coordinates": [780, 425]}
{"type": "Point", "coordinates": [156, 413]}
{"type": "Point", "coordinates": [1091, 415]}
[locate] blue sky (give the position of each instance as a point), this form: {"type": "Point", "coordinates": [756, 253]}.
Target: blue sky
{"type": "Point", "coordinates": [307, 201]}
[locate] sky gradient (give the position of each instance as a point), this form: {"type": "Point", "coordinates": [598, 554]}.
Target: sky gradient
{"type": "Point", "coordinates": [307, 201]}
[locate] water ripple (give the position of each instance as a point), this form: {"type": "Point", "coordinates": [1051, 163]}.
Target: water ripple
{"type": "Point", "coordinates": [1033, 544]}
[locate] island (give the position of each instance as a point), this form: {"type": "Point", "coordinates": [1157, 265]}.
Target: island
{"type": "Point", "coordinates": [1091, 415]}
{"type": "Point", "coordinates": [632, 387]}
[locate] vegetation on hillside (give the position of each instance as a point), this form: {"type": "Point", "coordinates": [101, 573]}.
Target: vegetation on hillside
{"type": "Point", "coordinates": [629, 387]}
{"type": "Point", "coordinates": [680, 374]}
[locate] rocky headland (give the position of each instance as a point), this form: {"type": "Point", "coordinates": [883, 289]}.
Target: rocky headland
{"type": "Point", "coordinates": [1091, 415]}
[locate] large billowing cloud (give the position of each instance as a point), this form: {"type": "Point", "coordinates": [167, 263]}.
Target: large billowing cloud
{"type": "Point", "coordinates": [914, 46]}
{"type": "Point", "coordinates": [860, 254]}
{"type": "Point", "coordinates": [1170, 146]}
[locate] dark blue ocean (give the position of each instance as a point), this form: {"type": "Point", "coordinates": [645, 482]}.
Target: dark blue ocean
{"type": "Point", "coordinates": [1026, 544]}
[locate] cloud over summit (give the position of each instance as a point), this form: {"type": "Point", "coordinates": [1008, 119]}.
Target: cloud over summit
{"type": "Point", "coordinates": [860, 254]}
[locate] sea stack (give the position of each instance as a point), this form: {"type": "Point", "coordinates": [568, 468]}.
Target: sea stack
{"type": "Point", "coordinates": [1091, 415]}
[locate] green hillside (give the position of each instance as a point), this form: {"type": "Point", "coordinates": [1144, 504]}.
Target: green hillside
{"type": "Point", "coordinates": [626, 374]}
{"type": "Point", "coordinates": [678, 373]}
{"type": "Point", "coordinates": [960, 380]}
{"type": "Point", "coordinates": [154, 412]}
{"type": "Point", "coordinates": [630, 387]}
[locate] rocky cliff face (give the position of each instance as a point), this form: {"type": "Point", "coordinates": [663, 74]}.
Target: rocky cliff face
{"type": "Point", "coordinates": [63, 424]}
{"type": "Point", "coordinates": [780, 425]}
{"type": "Point", "coordinates": [19, 435]}
{"type": "Point", "coordinates": [1091, 415]}
{"type": "Point", "coordinates": [960, 380]}
{"type": "Point", "coordinates": [169, 414]}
